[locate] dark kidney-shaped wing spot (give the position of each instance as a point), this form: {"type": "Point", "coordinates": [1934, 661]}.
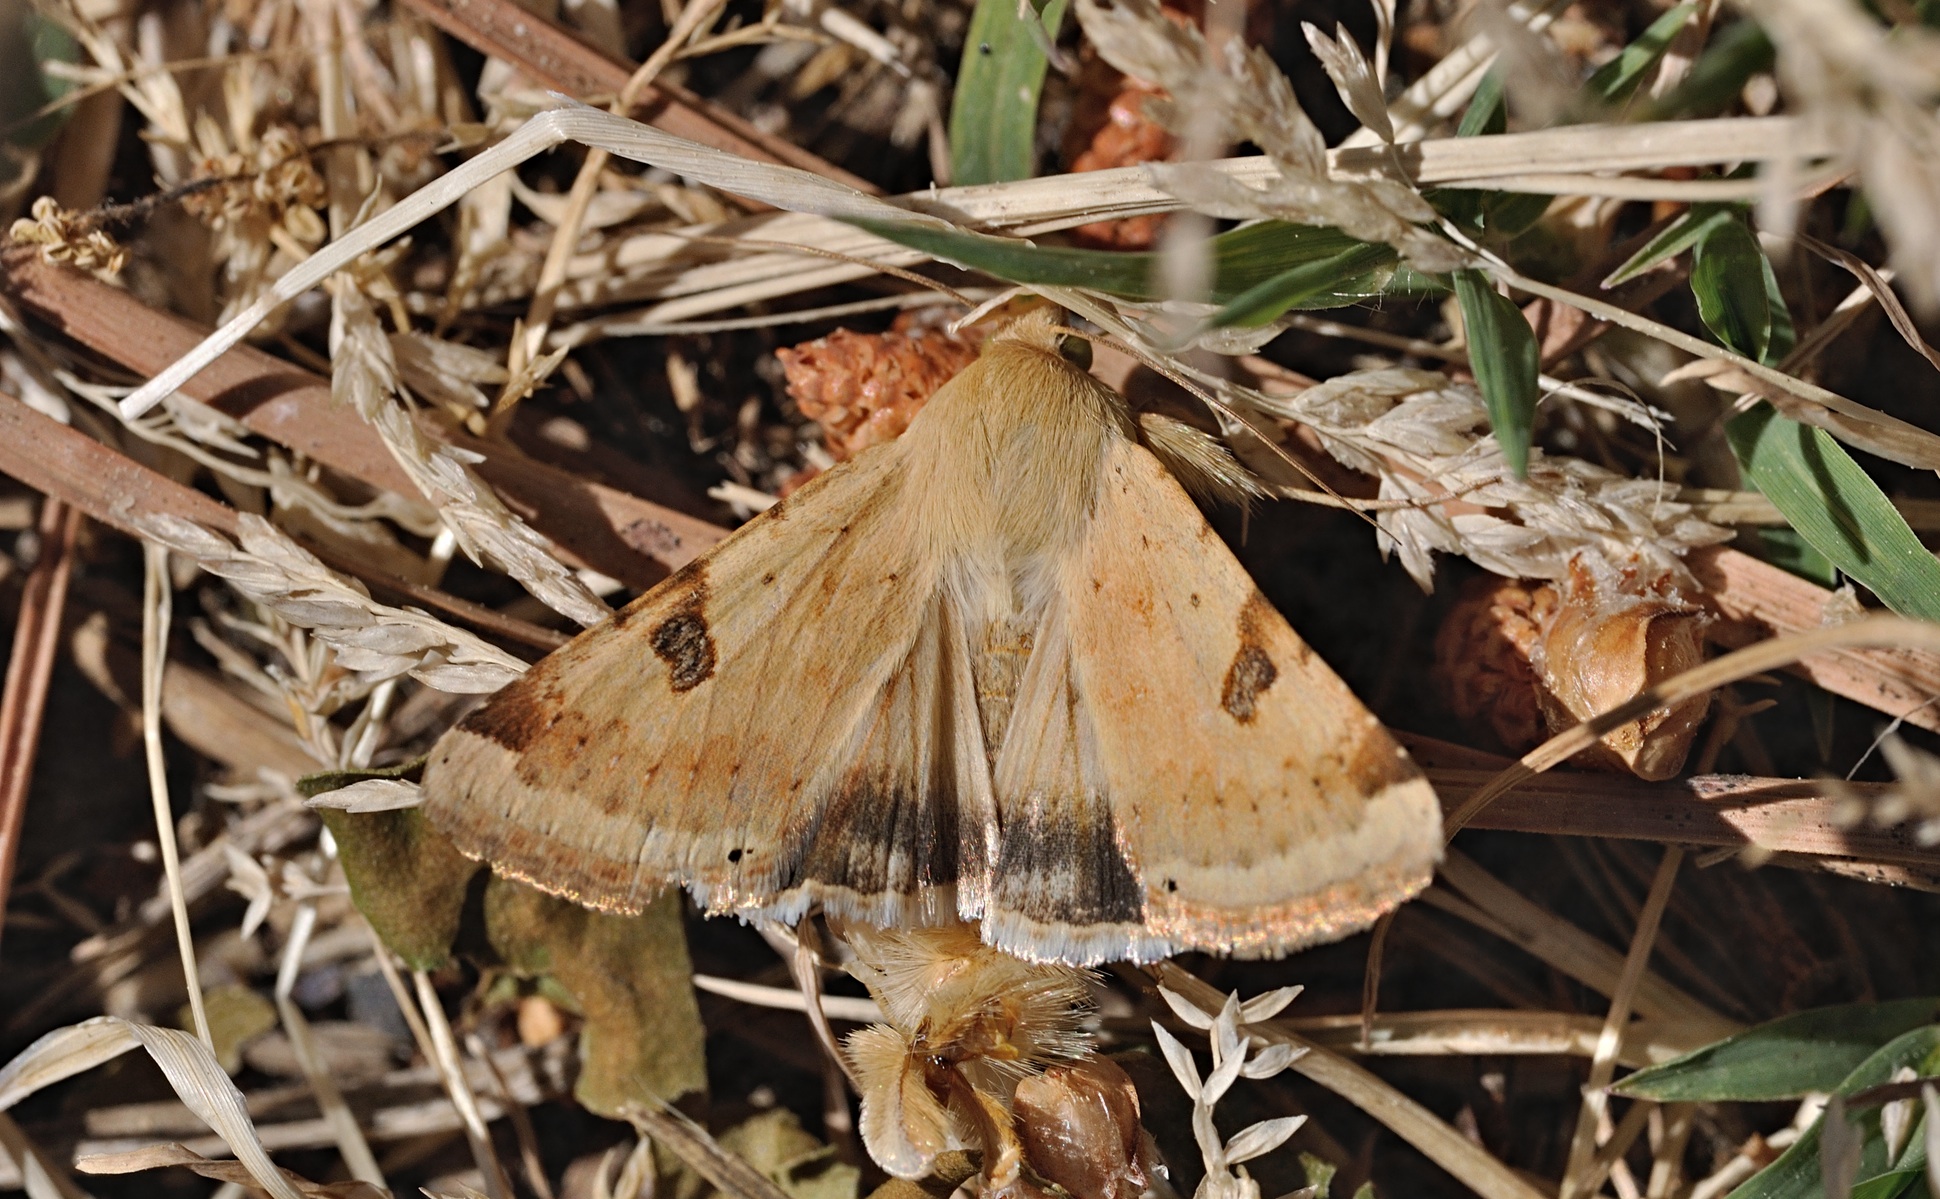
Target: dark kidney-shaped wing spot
{"type": "Point", "coordinates": [1252, 672]}
{"type": "Point", "coordinates": [684, 644]}
{"type": "Point", "coordinates": [681, 639]}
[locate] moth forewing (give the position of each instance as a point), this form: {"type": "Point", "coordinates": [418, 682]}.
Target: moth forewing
{"type": "Point", "coordinates": [756, 705]}
{"type": "Point", "coordinates": [1000, 668]}
{"type": "Point", "coordinates": [1262, 805]}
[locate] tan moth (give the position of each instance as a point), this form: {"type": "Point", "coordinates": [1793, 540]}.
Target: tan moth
{"type": "Point", "coordinates": [1000, 669]}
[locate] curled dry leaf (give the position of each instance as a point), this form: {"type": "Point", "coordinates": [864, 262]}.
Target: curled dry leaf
{"type": "Point", "coordinates": [198, 1079]}
{"type": "Point", "coordinates": [1613, 634]}
{"type": "Point", "coordinates": [156, 1157]}
{"type": "Point", "coordinates": [1529, 660]}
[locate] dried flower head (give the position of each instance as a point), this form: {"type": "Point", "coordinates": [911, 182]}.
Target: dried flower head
{"type": "Point", "coordinates": [1127, 136]}
{"type": "Point", "coordinates": [1079, 1125]}
{"type": "Point", "coordinates": [1426, 439]}
{"type": "Point", "coordinates": [864, 388]}
{"type": "Point", "coordinates": [69, 237]}
{"type": "Point", "coordinates": [270, 184]}
{"type": "Point", "coordinates": [1482, 653]}
{"type": "Point", "coordinates": [965, 1024]}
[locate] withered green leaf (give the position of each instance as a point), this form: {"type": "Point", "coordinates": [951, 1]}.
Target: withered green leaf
{"type": "Point", "coordinates": [631, 979]}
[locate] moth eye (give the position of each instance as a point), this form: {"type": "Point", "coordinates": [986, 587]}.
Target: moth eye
{"type": "Point", "coordinates": [1076, 351]}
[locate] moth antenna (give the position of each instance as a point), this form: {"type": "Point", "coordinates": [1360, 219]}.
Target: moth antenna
{"type": "Point", "coordinates": [1201, 462]}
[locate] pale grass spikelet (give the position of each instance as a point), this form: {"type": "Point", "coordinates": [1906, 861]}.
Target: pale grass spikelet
{"type": "Point", "coordinates": [1913, 800]}
{"type": "Point", "coordinates": [1353, 77]}
{"type": "Point", "coordinates": [1426, 439]}
{"type": "Point", "coordinates": [365, 376]}
{"type": "Point", "coordinates": [1235, 1055]}
{"type": "Point", "coordinates": [1256, 103]}
{"type": "Point", "coordinates": [370, 639]}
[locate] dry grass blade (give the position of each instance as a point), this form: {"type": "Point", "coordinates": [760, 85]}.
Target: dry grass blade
{"type": "Point", "coordinates": [557, 59]}
{"type": "Point", "coordinates": [545, 294]}
{"type": "Point", "coordinates": [198, 1080]}
{"type": "Point", "coordinates": [784, 186]}
{"type": "Point", "coordinates": [1490, 904]}
{"type": "Point", "coordinates": [1477, 1169]}
{"type": "Point", "coordinates": [1856, 424]}
{"type": "Point", "coordinates": [157, 603]}
{"type": "Point", "coordinates": [854, 1009]}
{"type": "Point", "coordinates": [43, 602]}
{"type": "Point", "coordinates": [1900, 681]}
{"type": "Point", "coordinates": [451, 1068]}
{"type": "Point", "coordinates": [1483, 1032]}
{"type": "Point", "coordinates": [330, 1100]}
{"type": "Point", "coordinates": [691, 1143]}
{"type": "Point", "coordinates": [1578, 1176]}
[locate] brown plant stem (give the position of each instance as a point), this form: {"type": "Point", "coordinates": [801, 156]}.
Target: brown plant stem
{"type": "Point", "coordinates": [36, 643]}
{"type": "Point", "coordinates": [616, 533]}
{"type": "Point", "coordinates": [110, 487]}
{"type": "Point", "coordinates": [551, 56]}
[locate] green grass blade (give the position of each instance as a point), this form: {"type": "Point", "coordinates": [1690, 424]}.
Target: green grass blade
{"type": "Point", "coordinates": [1615, 80]}
{"type": "Point", "coordinates": [993, 115]}
{"type": "Point", "coordinates": [1243, 259]}
{"type": "Point", "coordinates": [1680, 235]}
{"type": "Point", "coordinates": [1797, 1174]}
{"type": "Point", "coordinates": [1290, 289]}
{"type": "Point", "coordinates": [1728, 279]}
{"type": "Point", "coordinates": [1785, 1058]}
{"type": "Point", "coordinates": [1502, 350]}
{"type": "Point", "coordinates": [1736, 53]}
{"type": "Point", "coordinates": [1837, 508]}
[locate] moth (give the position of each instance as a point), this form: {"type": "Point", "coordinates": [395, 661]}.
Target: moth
{"type": "Point", "coordinates": [999, 669]}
